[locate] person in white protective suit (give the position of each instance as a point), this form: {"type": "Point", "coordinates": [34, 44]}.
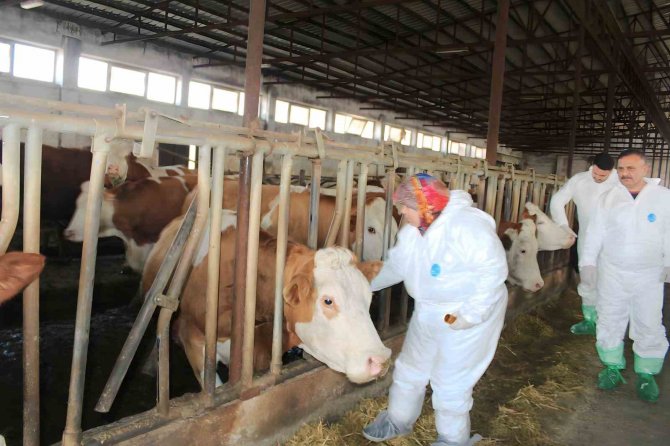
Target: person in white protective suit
{"type": "Point", "coordinates": [627, 256]}
{"type": "Point", "coordinates": [584, 189]}
{"type": "Point", "coordinates": [454, 266]}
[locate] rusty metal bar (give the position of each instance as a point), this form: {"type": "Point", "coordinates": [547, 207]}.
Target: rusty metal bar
{"type": "Point", "coordinates": [241, 243]}
{"type": "Point", "coordinates": [516, 198]}
{"type": "Point", "coordinates": [252, 72]}
{"type": "Point", "coordinates": [282, 238]}
{"type": "Point", "coordinates": [72, 431]}
{"type": "Point", "coordinates": [611, 87]}
{"type": "Point", "coordinates": [11, 183]}
{"type": "Point", "coordinates": [252, 270]}
{"type": "Point", "coordinates": [179, 280]}
{"type": "Point", "coordinates": [315, 191]}
{"type": "Point", "coordinates": [575, 100]}
{"type": "Point", "coordinates": [31, 295]}
{"type": "Point", "coordinates": [213, 262]}
{"type": "Point", "coordinates": [345, 227]}
{"type": "Point", "coordinates": [360, 211]}
{"type": "Point", "coordinates": [497, 82]}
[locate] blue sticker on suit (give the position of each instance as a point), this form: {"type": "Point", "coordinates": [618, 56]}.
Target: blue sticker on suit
{"type": "Point", "coordinates": [435, 270]}
{"type": "Point", "coordinates": [651, 217]}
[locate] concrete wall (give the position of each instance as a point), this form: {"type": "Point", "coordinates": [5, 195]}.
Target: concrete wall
{"type": "Point", "coordinates": [554, 163]}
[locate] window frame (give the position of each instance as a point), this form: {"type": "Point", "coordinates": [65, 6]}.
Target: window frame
{"type": "Point", "coordinates": [309, 108]}
{"type": "Point", "coordinates": [12, 61]}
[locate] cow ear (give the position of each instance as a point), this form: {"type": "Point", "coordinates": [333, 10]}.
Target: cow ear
{"type": "Point", "coordinates": [298, 289]}
{"type": "Point", "coordinates": [370, 269]}
{"type": "Point", "coordinates": [17, 270]}
{"type": "Point", "coordinates": [531, 208]}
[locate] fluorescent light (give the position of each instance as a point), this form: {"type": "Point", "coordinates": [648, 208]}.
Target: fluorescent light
{"type": "Point", "coordinates": [30, 4]}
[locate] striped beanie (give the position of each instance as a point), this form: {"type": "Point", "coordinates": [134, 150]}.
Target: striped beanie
{"type": "Point", "coordinates": [425, 194]}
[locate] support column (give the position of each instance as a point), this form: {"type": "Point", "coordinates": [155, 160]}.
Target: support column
{"type": "Point", "coordinates": [611, 87]}
{"type": "Point", "coordinates": [252, 72]}
{"type": "Point", "coordinates": [575, 100]}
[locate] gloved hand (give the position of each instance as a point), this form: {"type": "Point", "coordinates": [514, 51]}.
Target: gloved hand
{"type": "Point", "coordinates": [588, 275]}
{"type": "Point", "coordinates": [457, 322]}
{"type": "Point", "coordinates": [665, 276]}
{"type": "Point", "coordinates": [569, 230]}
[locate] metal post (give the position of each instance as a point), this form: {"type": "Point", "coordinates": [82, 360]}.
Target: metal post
{"type": "Point", "coordinates": [11, 183]}
{"type": "Point", "coordinates": [360, 210]}
{"type": "Point", "coordinates": [385, 298]}
{"type": "Point", "coordinates": [252, 72]}
{"type": "Point", "coordinates": [499, 199]}
{"type": "Point", "coordinates": [213, 262]}
{"type": "Point", "coordinates": [611, 87]}
{"type": "Point", "coordinates": [523, 196]}
{"type": "Point", "coordinates": [315, 191]}
{"type": "Point", "coordinates": [340, 190]}
{"type": "Point", "coordinates": [282, 238]}
{"type": "Point", "coordinates": [516, 198]}
{"type": "Point", "coordinates": [72, 432]}
{"type": "Point", "coordinates": [497, 80]}
{"type": "Point", "coordinates": [31, 295]}
{"type": "Point", "coordinates": [345, 227]}
{"type": "Point", "coordinates": [575, 100]}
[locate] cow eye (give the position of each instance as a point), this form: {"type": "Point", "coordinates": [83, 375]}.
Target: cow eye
{"type": "Point", "coordinates": [372, 230]}
{"type": "Point", "coordinates": [328, 301]}
{"type": "Point", "coordinates": [523, 251]}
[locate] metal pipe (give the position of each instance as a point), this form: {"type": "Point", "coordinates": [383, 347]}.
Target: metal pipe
{"type": "Point", "coordinates": [315, 191]}
{"type": "Point", "coordinates": [516, 198]}
{"type": "Point", "coordinates": [179, 279]}
{"type": "Point", "coordinates": [345, 227]}
{"type": "Point", "coordinates": [146, 312]}
{"type": "Point", "coordinates": [282, 238]}
{"type": "Point", "coordinates": [213, 273]}
{"type": "Point", "coordinates": [384, 316]}
{"type": "Point", "coordinates": [72, 432]}
{"type": "Point", "coordinates": [490, 193]}
{"type": "Point", "coordinates": [252, 270]}
{"type": "Point", "coordinates": [360, 209]}
{"type": "Point", "coordinates": [500, 195]}
{"type": "Point", "coordinates": [482, 195]}
{"type": "Point", "coordinates": [339, 203]}
{"type": "Point", "coordinates": [11, 183]}
{"type": "Point", "coordinates": [241, 243]}
{"type": "Point", "coordinates": [575, 99]}
{"type": "Point", "coordinates": [523, 196]}
{"type": "Point", "coordinates": [254, 58]}
{"type": "Point", "coordinates": [31, 295]}
{"type": "Point", "coordinates": [59, 106]}
{"type": "Point", "coordinates": [543, 196]}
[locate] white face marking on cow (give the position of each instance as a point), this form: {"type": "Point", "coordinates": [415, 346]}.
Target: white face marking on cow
{"type": "Point", "coordinates": [228, 219]}
{"type": "Point", "coordinates": [117, 165]}
{"type": "Point", "coordinates": [550, 236]}
{"type": "Point", "coordinates": [137, 255]}
{"type": "Point", "coordinates": [341, 333]}
{"type": "Point", "coordinates": [266, 221]}
{"type": "Point", "coordinates": [524, 269]}
{"type": "Point", "coordinates": [75, 230]}
{"type": "Point", "coordinates": [373, 232]}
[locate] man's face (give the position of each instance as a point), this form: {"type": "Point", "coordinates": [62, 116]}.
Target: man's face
{"type": "Point", "coordinates": [599, 175]}
{"type": "Point", "coordinates": [632, 169]}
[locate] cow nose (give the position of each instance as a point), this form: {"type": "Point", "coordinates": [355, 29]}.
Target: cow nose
{"type": "Point", "coordinates": [539, 285]}
{"type": "Point", "coordinates": [68, 234]}
{"type": "Point", "coordinates": [377, 365]}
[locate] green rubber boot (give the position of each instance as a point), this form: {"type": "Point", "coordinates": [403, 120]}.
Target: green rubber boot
{"type": "Point", "coordinates": [647, 389]}
{"type": "Point", "coordinates": [610, 378]}
{"type": "Point", "coordinates": [584, 328]}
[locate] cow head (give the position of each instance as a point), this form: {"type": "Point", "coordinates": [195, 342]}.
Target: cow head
{"type": "Point", "coordinates": [327, 300]}
{"type": "Point", "coordinates": [75, 230]}
{"type": "Point", "coordinates": [117, 164]}
{"type": "Point", "coordinates": [373, 231]}
{"type": "Point", "coordinates": [550, 236]}
{"type": "Point", "coordinates": [520, 242]}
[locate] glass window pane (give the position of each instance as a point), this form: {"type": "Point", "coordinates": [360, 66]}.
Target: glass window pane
{"type": "Point", "coordinates": [92, 74]}
{"type": "Point", "coordinates": [281, 111]}
{"type": "Point", "coordinates": [199, 95]}
{"type": "Point", "coordinates": [226, 100]}
{"type": "Point", "coordinates": [369, 130]}
{"type": "Point", "coordinates": [4, 57]}
{"type": "Point", "coordinates": [240, 108]}
{"type": "Point", "coordinates": [161, 88]}
{"type": "Point", "coordinates": [437, 143]}
{"type": "Point", "coordinates": [419, 140]}
{"type": "Point", "coordinates": [34, 63]}
{"type": "Point", "coordinates": [341, 123]}
{"type": "Point", "coordinates": [407, 138]}
{"type": "Point", "coordinates": [395, 134]}
{"type": "Point", "coordinates": [387, 132]}
{"type": "Point", "coordinates": [356, 126]}
{"type": "Point", "coordinates": [317, 118]}
{"type": "Point", "coordinates": [299, 115]}
{"type": "Point", "coordinates": [127, 81]}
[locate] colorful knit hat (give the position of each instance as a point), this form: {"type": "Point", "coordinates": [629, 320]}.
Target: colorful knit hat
{"type": "Point", "coordinates": [425, 194]}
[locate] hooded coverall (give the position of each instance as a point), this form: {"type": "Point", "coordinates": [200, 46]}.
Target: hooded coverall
{"type": "Point", "coordinates": [458, 267]}
{"type": "Point", "coordinates": [629, 242]}
{"type": "Point", "coordinates": [585, 192]}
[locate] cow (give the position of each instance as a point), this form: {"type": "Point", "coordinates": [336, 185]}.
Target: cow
{"type": "Point", "coordinates": [521, 246]}
{"type": "Point", "coordinates": [550, 236]}
{"type": "Point", "coordinates": [136, 212]}
{"type": "Point", "coordinates": [123, 165]}
{"type": "Point", "coordinates": [17, 270]}
{"type": "Point", "coordinates": [326, 304]}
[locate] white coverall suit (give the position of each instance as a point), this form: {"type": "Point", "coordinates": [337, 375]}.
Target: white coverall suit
{"type": "Point", "coordinates": [585, 192]}
{"type": "Point", "coordinates": [459, 267]}
{"type": "Point", "coordinates": [629, 242]}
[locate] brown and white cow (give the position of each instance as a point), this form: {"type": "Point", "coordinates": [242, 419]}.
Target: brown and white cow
{"type": "Point", "coordinates": [123, 166]}
{"type": "Point", "coordinates": [326, 304]}
{"type": "Point", "coordinates": [520, 243]}
{"type": "Point", "coordinates": [136, 212]}
{"type": "Point", "coordinates": [17, 270]}
{"type": "Point", "coordinates": [550, 236]}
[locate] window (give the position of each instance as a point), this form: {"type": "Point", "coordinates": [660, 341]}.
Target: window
{"type": "Point", "coordinates": [480, 153]}
{"type": "Point", "coordinates": [5, 58]}
{"type": "Point", "coordinates": [354, 126]}
{"type": "Point", "coordinates": [458, 148]}
{"type": "Point", "coordinates": [192, 156]}
{"type": "Point", "coordinates": [228, 100]}
{"type": "Point", "coordinates": [92, 74]}
{"type": "Point", "coordinates": [127, 81]}
{"type": "Point", "coordinates": [425, 141]}
{"type": "Point", "coordinates": [161, 88]}
{"type": "Point", "coordinates": [34, 63]}
{"type": "Point", "coordinates": [398, 134]}
{"type": "Point", "coordinates": [199, 95]}
{"type": "Point", "coordinates": [286, 112]}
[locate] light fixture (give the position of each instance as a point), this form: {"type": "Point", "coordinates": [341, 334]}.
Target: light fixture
{"type": "Point", "coordinates": [30, 4]}
{"type": "Point", "coordinates": [452, 50]}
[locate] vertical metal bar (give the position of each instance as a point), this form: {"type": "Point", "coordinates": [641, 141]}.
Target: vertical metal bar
{"type": "Point", "coordinates": [31, 295]}
{"type": "Point", "coordinates": [491, 192]}
{"type": "Point", "coordinates": [543, 196]}
{"type": "Point", "coordinates": [252, 72]}
{"type": "Point", "coordinates": [315, 192]}
{"type": "Point", "coordinates": [72, 432]}
{"type": "Point", "coordinates": [611, 87]}
{"type": "Point", "coordinates": [360, 210]}
{"type": "Point", "coordinates": [339, 203]}
{"type": "Point", "coordinates": [213, 262]}
{"type": "Point", "coordinates": [516, 198]}
{"type": "Point", "coordinates": [282, 238]}
{"type": "Point", "coordinates": [345, 227]}
{"type": "Point", "coordinates": [500, 195]}
{"type": "Point", "coordinates": [497, 80]}
{"type": "Point", "coordinates": [179, 280]}
{"type": "Point", "coordinates": [523, 196]}
{"type": "Point", "coordinates": [385, 298]}
{"type": "Point", "coordinates": [575, 100]}
{"type": "Point", "coordinates": [483, 195]}
{"type": "Point", "coordinates": [252, 270]}
{"type": "Point", "coordinates": [11, 183]}
{"type": "Point", "coordinates": [241, 243]}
